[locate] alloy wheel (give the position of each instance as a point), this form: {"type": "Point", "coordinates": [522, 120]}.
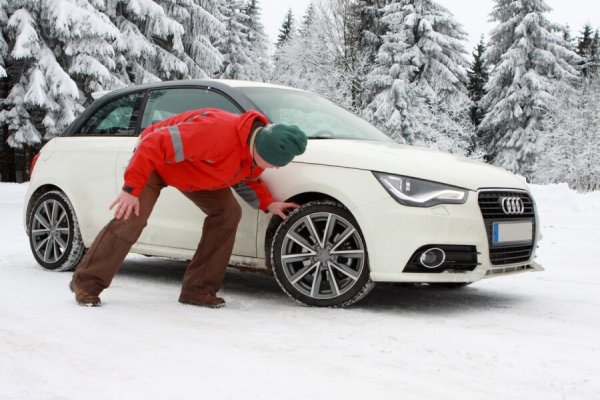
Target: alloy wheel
{"type": "Point", "coordinates": [323, 255]}
{"type": "Point", "coordinates": [50, 233]}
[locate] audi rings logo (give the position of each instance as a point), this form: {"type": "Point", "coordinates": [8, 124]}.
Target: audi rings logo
{"type": "Point", "coordinates": [512, 205]}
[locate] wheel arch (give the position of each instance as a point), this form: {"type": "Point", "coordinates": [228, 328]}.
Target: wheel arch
{"type": "Point", "coordinates": [36, 194]}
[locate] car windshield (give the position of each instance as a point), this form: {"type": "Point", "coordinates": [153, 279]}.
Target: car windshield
{"type": "Point", "coordinates": [318, 117]}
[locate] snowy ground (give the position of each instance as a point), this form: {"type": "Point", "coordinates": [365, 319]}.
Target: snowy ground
{"type": "Point", "coordinates": [529, 336]}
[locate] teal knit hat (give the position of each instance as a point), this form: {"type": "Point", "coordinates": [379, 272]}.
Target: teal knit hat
{"type": "Point", "coordinates": [278, 144]}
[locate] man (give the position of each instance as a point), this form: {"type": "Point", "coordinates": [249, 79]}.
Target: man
{"type": "Point", "coordinates": [202, 153]}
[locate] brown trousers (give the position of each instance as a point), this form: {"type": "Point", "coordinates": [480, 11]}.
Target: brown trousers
{"type": "Point", "coordinates": [206, 271]}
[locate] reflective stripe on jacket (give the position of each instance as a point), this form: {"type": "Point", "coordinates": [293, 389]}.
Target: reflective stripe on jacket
{"type": "Point", "coordinates": [205, 149]}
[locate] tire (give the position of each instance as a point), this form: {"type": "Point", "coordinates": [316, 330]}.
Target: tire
{"type": "Point", "coordinates": [319, 256]}
{"type": "Point", "coordinates": [54, 235]}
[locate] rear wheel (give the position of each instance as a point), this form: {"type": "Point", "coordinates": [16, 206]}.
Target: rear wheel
{"type": "Point", "coordinates": [54, 234]}
{"type": "Point", "coordinates": [319, 256]}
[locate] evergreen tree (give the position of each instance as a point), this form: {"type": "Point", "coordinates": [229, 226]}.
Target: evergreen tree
{"type": "Point", "coordinates": [587, 49]}
{"type": "Point", "coordinates": [436, 47]}
{"type": "Point", "coordinates": [416, 91]}
{"type": "Point", "coordinates": [147, 43]}
{"type": "Point", "coordinates": [260, 68]}
{"type": "Point", "coordinates": [53, 46]}
{"type": "Point", "coordinates": [235, 44]}
{"type": "Point", "coordinates": [478, 76]}
{"type": "Point", "coordinates": [369, 33]}
{"type": "Point", "coordinates": [320, 56]}
{"type": "Point", "coordinates": [286, 32]}
{"type": "Point", "coordinates": [294, 64]}
{"type": "Point", "coordinates": [285, 50]}
{"type": "Point", "coordinates": [400, 106]}
{"type": "Point", "coordinates": [530, 62]}
{"type": "Point", "coordinates": [202, 25]}
{"type": "Point", "coordinates": [307, 20]}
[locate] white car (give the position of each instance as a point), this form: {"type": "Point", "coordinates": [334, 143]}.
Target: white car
{"type": "Point", "coordinates": [371, 210]}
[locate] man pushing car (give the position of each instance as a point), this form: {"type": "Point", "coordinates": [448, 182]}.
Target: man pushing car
{"type": "Point", "coordinates": [203, 153]}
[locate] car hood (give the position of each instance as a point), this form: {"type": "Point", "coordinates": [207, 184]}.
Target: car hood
{"type": "Point", "coordinates": [410, 161]}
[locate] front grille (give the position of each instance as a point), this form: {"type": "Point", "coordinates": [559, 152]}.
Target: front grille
{"type": "Point", "coordinates": [491, 210]}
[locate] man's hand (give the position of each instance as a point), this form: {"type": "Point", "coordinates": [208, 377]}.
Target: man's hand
{"type": "Point", "coordinates": [279, 207]}
{"type": "Point", "coordinates": [124, 204]}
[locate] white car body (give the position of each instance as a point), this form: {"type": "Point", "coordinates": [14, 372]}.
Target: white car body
{"type": "Point", "coordinates": [89, 171]}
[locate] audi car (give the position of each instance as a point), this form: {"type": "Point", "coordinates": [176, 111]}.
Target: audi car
{"type": "Point", "coordinates": [371, 210]}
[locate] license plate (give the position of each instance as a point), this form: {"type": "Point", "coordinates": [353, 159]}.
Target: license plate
{"type": "Point", "coordinates": [512, 232]}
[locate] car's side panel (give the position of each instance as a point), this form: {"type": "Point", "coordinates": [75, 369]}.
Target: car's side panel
{"type": "Point", "coordinates": [82, 167]}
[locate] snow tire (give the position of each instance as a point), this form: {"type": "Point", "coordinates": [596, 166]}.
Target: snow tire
{"type": "Point", "coordinates": [317, 229]}
{"type": "Point", "coordinates": [53, 220]}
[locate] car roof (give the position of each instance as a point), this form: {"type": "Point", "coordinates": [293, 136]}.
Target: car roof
{"type": "Point", "coordinates": [216, 83]}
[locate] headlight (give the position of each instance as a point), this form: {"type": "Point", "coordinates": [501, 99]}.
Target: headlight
{"type": "Point", "coordinates": [420, 193]}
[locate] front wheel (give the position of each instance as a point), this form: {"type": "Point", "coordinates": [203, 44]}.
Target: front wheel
{"type": "Point", "coordinates": [319, 256]}
{"type": "Point", "coordinates": [54, 234]}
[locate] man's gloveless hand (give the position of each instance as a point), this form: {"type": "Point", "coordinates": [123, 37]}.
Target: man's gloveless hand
{"type": "Point", "coordinates": [124, 204]}
{"type": "Point", "coordinates": [279, 208]}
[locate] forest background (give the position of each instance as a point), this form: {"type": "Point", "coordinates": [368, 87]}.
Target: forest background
{"type": "Point", "coordinates": [525, 99]}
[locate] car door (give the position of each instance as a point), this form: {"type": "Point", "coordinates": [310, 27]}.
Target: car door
{"type": "Point", "coordinates": [175, 221]}
{"type": "Point", "coordinates": [89, 155]}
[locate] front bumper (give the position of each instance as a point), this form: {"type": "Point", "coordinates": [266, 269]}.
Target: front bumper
{"type": "Point", "coordinates": [394, 232]}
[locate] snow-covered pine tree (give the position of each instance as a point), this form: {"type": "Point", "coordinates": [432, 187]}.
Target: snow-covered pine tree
{"type": "Point", "coordinates": [260, 66]}
{"type": "Point", "coordinates": [234, 45]}
{"type": "Point", "coordinates": [139, 59]}
{"type": "Point", "coordinates": [164, 39]}
{"type": "Point", "coordinates": [478, 76]}
{"type": "Point", "coordinates": [529, 61]}
{"type": "Point", "coordinates": [319, 57]}
{"type": "Point", "coordinates": [369, 32]}
{"type": "Point", "coordinates": [287, 29]}
{"type": "Point", "coordinates": [587, 49]}
{"type": "Point", "coordinates": [391, 106]}
{"type": "Point", "coordinates": [288, 60]}
{"type": "Point", "coordinates": [417, 87]}
{"type": "Point", "coordinates": [285, 51]}
{"type": "Point", "coordinates": [53, 44]}
{"type": "Point", "coordinates": [437, 57]}
{"type": "Point", "coordinates": [436, 46]}
{"type": "Point", "coordinates": [203, 28]}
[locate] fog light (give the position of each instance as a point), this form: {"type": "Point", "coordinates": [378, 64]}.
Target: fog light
{"type": "Point", "coordinates": [432, 258]}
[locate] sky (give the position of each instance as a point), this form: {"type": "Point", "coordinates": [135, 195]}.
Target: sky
{"type": "Point", "coordinates": [472, 14]}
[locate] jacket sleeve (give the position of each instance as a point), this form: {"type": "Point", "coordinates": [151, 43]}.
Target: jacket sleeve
{"type": "Point", "coordinates": [254, 192]}
{"type": "Point", "coordinates": [152, 152]}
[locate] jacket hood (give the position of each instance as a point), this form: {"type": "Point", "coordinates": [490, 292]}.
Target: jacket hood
{"type": "Point", "coordinates": [246, 124]}
{"type": "Point", "coordinates": [410, 161]}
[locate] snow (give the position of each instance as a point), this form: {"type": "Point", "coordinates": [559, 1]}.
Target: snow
{"type": "Point", "coordinates": [534, 335]}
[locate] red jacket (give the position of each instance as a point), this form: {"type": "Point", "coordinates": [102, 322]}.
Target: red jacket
{"type": "Point", "coordinates": [204, 149]}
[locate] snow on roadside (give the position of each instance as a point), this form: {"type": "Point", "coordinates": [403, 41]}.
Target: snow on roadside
{"type": "Point", "coordinates": [534, 336]}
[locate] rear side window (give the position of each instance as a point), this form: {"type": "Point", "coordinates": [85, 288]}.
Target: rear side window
{"type": "Point", "coordinates": [164, 103]}
{"type": "Point", "coordinates": [117, 117]}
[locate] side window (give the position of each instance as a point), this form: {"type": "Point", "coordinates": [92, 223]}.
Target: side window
{"type": "Point", "coordinates": [164, 103]}
{"type": "Point", "coordinates": [117, 117]}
